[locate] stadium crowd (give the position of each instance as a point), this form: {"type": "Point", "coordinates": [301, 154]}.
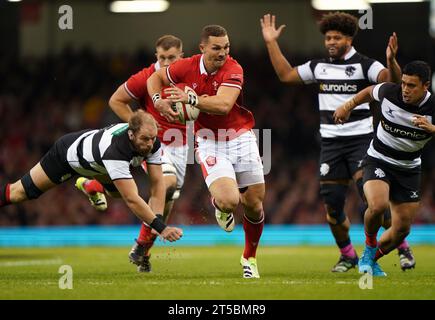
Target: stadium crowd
{"type": "Point", "coordinates": [43, 98]}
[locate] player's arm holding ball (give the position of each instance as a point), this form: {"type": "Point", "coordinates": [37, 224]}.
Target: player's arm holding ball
{"type": "Point", "coordinates": [155, 83]}
{"type": "Point", "coordinates": [219, 104]}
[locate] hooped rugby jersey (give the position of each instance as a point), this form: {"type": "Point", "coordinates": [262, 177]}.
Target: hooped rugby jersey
{"type": "Point", "coordinates": [339, 81]}
{"type": "Point", "coordinates": [397, 141]}
{"type": "Point", "coordinates": [108, 151]}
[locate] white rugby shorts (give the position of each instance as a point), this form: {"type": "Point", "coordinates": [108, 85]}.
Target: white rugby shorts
{"type": "Point", "coordinates": [238, 159]}
{"type": "Point", "coordinates": [174, 160]}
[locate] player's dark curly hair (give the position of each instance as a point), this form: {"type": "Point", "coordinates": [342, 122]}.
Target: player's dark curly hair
{"type": "Point", "coordinates": [339, 21]}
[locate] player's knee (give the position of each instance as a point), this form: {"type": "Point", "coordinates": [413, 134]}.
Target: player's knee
{"type": "Point", "coordinates": [402, 229]}
{"type": "Point", "coordinates": [377, 207]}
{"type": "Point", "coordinates": [334, 196]}
{"type": "Point", "coordinates": [228, 203]}
{"type": "Point", "coordinates": [30, 189]}
{"type": "Point", "coordinates": [255, 207]}
{"type": "Point", "coordinates": [253, 203]}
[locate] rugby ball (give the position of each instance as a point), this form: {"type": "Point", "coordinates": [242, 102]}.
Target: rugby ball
{"type": "Point", "coordinates": [186, 112]}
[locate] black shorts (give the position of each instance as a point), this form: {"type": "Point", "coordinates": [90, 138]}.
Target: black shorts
{"type": "Point", "coordinates": [55, 163]}
{"type": "Point", "coordinates": [341, 158]}
{"type": "Point", "coordinates": [404, 183]}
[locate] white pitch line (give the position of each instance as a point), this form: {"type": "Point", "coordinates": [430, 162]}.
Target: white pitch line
{"type": "Point", "coordinates": [24, 263]}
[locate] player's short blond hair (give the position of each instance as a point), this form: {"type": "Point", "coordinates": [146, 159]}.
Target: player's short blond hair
{"type": "Point", "coordinates": [169, 41]}
{"type": "Point", "coordinates": [139, 119]}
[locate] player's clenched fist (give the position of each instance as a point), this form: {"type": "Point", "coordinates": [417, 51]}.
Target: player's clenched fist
{"type": "Point", "coordinates": [341, 115]}
{"type": "Point", "coordinates": [171, 234]}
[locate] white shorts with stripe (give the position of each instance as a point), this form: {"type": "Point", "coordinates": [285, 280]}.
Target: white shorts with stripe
{"type": "Point", "coordinates": [174, 160]}
{"type": "Point", "coordinates": [175, 157]}
{"type": "Point", "coordinates": [238, 159]}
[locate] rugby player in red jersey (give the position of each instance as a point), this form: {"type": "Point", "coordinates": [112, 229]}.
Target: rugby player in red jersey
{"type": "Point", "coordinates": [226, 146]}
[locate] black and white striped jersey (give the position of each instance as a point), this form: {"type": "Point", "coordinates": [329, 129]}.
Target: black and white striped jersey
{"type": "Point", "coordinates": [397, 141]}
{"type": "Point", "coordinates": [108, 151]}
{"type": "Point", "coordinates": [339, 81]}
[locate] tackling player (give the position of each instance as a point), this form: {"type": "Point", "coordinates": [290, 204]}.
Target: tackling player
{"type": "Point", "coordinates": [226, 146]}
{"type": "Point", "coordinates": [105, 154]}
{"type": "Point", "coordinates": [172, 136]}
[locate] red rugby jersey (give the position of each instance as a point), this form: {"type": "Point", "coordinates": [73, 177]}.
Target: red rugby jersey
{"type": "Point", "coordinates": [192, 72]}
{"type": "Point", "coordinates": [136, 87]}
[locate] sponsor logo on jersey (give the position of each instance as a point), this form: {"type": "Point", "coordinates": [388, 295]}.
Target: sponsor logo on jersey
{"type": "Point", "coordinates": [402, 132]}
{"type": "Point", "coordinates": [338, 88]}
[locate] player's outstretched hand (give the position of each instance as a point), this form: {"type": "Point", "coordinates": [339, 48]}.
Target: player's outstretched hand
{"type": "Point", "coordinates": [270, 33]}
{"type": "Point", "coordinates": [392, 47]}
{"type": "Point", "coordinates": [171, 234]}
{"type": "Point", "coordinates": [422, 122]}
{"type": "Point", "coordinates": [164, 107]}
{"type": "Point", "coordinates": [341, 115]}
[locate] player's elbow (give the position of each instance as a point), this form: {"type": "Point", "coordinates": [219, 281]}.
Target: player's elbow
{"type": "Point", "coordinates": [112, 102]}
{"type": "Point", "coordinates": [283, 77]}
{"type": "Point", "coordinates": [116, 102]}
{"type": "Point", "coordinates": [225, 107]}
{"type": "Point", "coordinates": [287, 79]}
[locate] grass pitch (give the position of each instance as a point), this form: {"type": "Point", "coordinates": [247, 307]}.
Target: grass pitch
{"type": "Point", "coordinates": [206, 273]}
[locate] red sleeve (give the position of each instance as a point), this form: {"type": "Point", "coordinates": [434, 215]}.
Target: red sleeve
{"type": "Point", "coordinates": [177, 70]}
{"type": "Point", "coordinates": [136, 85]}
{"type": "Point", "coordinates": [233, 77]}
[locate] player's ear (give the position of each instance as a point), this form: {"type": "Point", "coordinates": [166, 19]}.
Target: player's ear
{"type": "Point", "coordinates": [201, 47]}
{"type": "Point", "coordinates": [130, 134]}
